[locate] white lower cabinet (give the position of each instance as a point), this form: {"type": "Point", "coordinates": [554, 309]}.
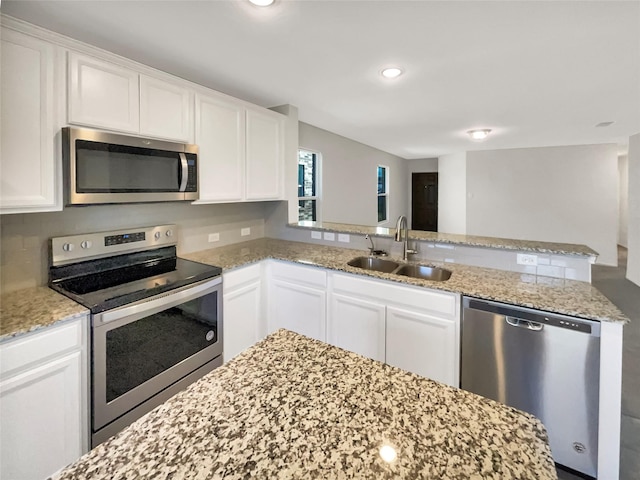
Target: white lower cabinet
{"type": "Point", "coordinates": [412, 328]}
{"type": "Point", "coordinates": [357, 325]}
{"type": "Point", "coordinates": [423, 344]}
{"type": "Point", "coordinates": [43, 401]}
{"type": "Point", "coordinates": [242, 306]}
{"type": "Point", "coordinates": [297, 299]}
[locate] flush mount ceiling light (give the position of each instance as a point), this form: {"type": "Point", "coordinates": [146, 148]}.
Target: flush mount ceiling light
{"type": "Point", "coordinates": [479, 134]}
{"type": "Point", "coordinates": [391, 72]}
{"type": "Point", "coordinates": [262, 3]}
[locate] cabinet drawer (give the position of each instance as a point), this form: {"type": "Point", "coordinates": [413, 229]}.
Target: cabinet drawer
{"type": "Point", "coordinates": [241, 276]}
{"type": "Point", "coordinates": [299, 274]}
{"type": "Point", "coordinates": [441, 303]}
{"type": "Point", "coordinates": [40, 346]}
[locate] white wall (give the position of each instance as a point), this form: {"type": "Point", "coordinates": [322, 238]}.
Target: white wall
{"type": "Point", "coordinates": [452, 193]}
{"type": "Point", "coordinates": [24, 237]}
{"type": "Point", "coordinates": [349, 185]}
{"type": "Point", "coordinates": [419, 165]}
{"type": "Point", "coordinates": [623, 204]}
{"type": "Point", "coordinates": [290, 174]}
{"type": "Point", "coordinates": [554, 194]}
{"type": "Point", "coordinates": [633, 261]}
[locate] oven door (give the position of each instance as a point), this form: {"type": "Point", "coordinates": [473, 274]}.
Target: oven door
{"type": "Point", "coordinates": [143, 348]}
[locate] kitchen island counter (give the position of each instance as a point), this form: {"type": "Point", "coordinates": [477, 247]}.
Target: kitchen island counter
{"type": "Point", "coordinates": [293, 407]}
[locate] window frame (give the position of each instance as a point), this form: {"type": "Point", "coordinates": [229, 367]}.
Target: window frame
{"type": "Point", "coordinates": [385, 194]}
{"type": "Point", "coordinates": [318, 183]}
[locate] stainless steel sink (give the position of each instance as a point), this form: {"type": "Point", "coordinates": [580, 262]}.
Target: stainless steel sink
{"type": "Point", "coordinates": [373, 263]}
{"type": "Point", "coordinates": [422, 271]}
{"type": "Point", "coordinates": [425, 272]}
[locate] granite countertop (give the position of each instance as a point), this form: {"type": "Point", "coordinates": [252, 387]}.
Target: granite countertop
{"type": "Point", "coordinates": [456, 239]}
{"type": "Point", "coordinates": [292, 407]}
{"type": "Point", "coordinates": [30, 309]}
{"type": "Point", "coordinates": [569, 297]}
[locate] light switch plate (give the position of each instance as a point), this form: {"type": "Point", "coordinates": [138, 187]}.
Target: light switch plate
{"type": "Point", "coordinates": [329, 236]}
{"type": "Point", "coordinates": [343, 237]}
{"type": "Point", "coordinates": [245, 231]}
{"type": "Point", "coordinates": [214, 237]}
{"type": "Point", "coordinates": [316, 235]}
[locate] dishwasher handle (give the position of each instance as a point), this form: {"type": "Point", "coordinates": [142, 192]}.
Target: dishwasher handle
{"type": "Point", "coordinates": [520, 323]}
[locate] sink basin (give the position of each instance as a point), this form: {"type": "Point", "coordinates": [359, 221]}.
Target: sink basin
{"type": "Point", "coordinates": [373, 263]}
{"type": "Point", "coordinates": [422, 271]}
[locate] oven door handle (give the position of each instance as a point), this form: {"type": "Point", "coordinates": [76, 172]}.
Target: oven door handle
{"type": "Point", "coordinates": [158, 303]}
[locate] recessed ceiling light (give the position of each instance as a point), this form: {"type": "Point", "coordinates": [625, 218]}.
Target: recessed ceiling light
{"type": "Point", "coordinates": [262, 3]}
{"type": "Point", "coordinates": [479, 134]}
{"type": "Point", "coordinates": [604, 124]}
{"type": "Point", "coordinates": [392, 72]}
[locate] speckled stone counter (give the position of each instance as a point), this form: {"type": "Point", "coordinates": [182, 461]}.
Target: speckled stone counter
{"type": "Point", "coordinates": [455, 239]}
{"type": "Point", "coordinates": [567, 297]}
{"type": "Point", "coordinates": [33, 308]}
{"type": "Point", "coordinates": [295, 408]}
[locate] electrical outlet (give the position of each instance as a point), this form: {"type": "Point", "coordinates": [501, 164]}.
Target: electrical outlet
{"type": "Point", "coordinates": [524, 259]}
{"type": "Point", "coordinates": [245, 231]}
{"type": "Point", "coordinates": [343, 237]}
{"type": "Point", "coordinates": [214, 237]}
{"type": "Point", "coordinates": [329, 236]}
{"type": "Point", "coordinates": [316, 235]}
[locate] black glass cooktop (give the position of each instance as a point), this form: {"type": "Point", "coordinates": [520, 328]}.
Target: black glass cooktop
{"type": "Point", "coordinates": [112, 282]}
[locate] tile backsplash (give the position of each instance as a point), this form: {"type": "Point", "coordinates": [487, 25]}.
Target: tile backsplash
{"type": "Point", "coordinates": [24, 238]}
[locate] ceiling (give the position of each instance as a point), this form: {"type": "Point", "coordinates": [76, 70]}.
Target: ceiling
{"type": "Point", "coordinates": [536, 73]}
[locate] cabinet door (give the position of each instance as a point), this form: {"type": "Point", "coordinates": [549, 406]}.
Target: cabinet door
{"type": "Point", "coordinates": [298, 308]}
{"type": "Point", "coordinates": [166, 110]}
{"type": "Point", "coordinates": [264, 155]}
{"type": "Point", "coordinates": [422, 344]}
{"type": "Point", "coordinates": [220, 136]}
{"type": "Point", "coordinates": [41, 419]}
{"type": "Point", "coordinates": [28, 173]}
{"type": "Point", "coordinates": [102, 94]}
{"type": "Point", "coordinates": [242, 319]}
{"type": "Point", "coordinates": [357, 325]}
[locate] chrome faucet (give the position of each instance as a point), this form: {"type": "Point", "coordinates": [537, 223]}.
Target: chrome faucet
{"type": "Point", "coordinates": [402, 235]}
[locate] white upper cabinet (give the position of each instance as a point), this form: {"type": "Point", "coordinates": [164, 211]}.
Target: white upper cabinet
{"type": "Point", "coordinates": [102, 94]}
{"type": "Point", "coordinates": [241, 151]}
{"type": "Point", "coordinates": [220, 136]}
{"type": "Point", "coordinates": [29, 162]}
{"type": "Point", "coordinates": [166, 110]}
{"type": "Point", "coordinates": [264, 155]}
{"type": "Point", "coordinates": [105, 95]}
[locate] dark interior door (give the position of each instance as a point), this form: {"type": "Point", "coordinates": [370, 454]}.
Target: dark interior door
{"type": "Point", "coordinates": [424, 201]}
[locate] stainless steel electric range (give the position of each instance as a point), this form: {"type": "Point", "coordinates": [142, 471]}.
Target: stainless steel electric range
{"type": "Point", "coordinates": [156, 319]}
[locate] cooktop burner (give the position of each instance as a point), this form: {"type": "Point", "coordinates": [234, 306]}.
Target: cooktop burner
{"type": "Point", "coordinates": [105, 283]}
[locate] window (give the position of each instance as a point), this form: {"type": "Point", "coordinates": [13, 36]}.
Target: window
{"type": "Point", "coordinates": [308, 185]}
{"type": "Point", "coordinates": [383, 193]}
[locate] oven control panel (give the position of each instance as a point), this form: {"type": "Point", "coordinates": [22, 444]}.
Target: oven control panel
{"type": "Point", "coordinates": [77, 248]}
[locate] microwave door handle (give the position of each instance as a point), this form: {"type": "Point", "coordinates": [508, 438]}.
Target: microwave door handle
{"type": "Point", "coordinates": [185, 172]}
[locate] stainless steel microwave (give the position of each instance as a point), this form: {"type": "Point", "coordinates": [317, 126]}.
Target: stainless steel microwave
{"type": "Point", "coordinates": [103, 167]}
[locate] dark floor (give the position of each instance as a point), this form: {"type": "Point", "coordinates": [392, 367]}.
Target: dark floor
{"type": "Point", "coordinates": [625, 295]}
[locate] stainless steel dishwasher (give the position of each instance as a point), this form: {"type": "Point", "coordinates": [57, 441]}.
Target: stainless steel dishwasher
{"type": "Point", "coordinates": [544, 364]}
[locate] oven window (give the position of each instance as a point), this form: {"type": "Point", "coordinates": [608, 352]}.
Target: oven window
{"type": "Point", "coordinates": [140, 350]}
{"type": "Point", "coordinates": [106, 168]}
